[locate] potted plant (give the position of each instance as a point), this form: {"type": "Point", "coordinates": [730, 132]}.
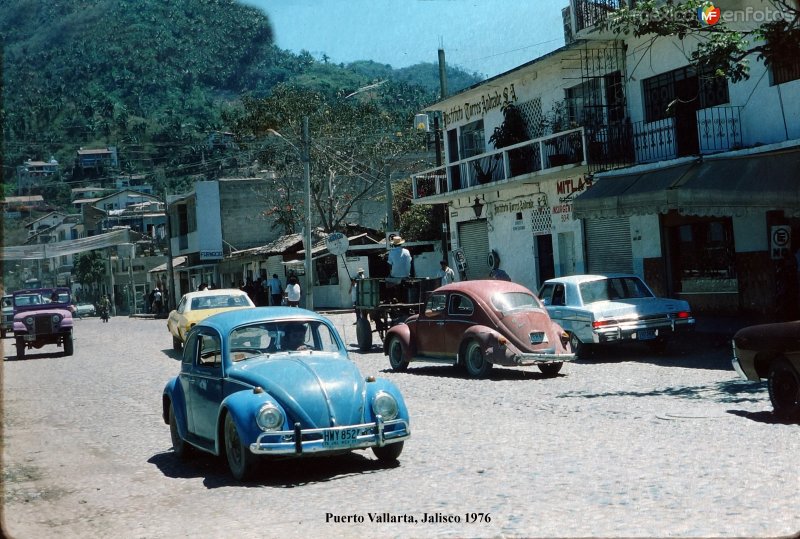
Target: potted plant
{"type": "Point", "coordinates": [514, 130]}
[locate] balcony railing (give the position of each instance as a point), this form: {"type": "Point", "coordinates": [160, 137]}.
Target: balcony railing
{"type": "Point", "coordinates": [590, 12]}
{"type": "Point", "coordinates": [717, 129]}
{"type": "Point", "coordinates": [599, 148]}
{"type": "Point", "coordinates": [536, 155]}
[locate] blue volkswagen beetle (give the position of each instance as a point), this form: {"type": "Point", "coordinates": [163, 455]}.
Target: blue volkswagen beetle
{"type": "Point", "coordinates": [277, 382]}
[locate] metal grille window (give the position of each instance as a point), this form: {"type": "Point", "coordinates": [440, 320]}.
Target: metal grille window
{"type": "Point", "coordinates": [662, 90]}
{"type": "Point", "coordinates": [785, 70]}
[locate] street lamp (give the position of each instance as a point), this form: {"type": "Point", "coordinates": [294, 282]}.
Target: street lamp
{"type": "Point", "coordinates": [304, 156]}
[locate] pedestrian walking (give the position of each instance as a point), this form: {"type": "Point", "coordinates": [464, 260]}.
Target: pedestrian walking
{"type": "Point", "coordinates": [275, 290]}
{"type": "Point", "coordinates": [292, 292]}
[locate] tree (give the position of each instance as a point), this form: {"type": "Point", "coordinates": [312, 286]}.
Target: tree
{"type": "Point", "coordinates": [353, 143]}
{"type": "Point", "coordinates": [89, 268]}
{"type": "Point", "coordinates": [722, 50]}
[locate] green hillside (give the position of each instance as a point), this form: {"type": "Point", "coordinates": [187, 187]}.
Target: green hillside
{"type": "Point", "coordinates": [154, 77]}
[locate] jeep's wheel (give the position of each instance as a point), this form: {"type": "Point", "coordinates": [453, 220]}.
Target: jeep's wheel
{"type": "Point", "coordinates": [396, 355]}
{"type": "Point", "coordinates": [20, 348]}
{"type": "Point", "coordinates": [475, 362]}
{"type": "Point", "coordinates": [68, 344]}
{"type": "Point", "coordinates": [240, 460]}
{"type": "Point", "coordinates": [550, 369]}
{"type": "Point", "coordinates": [2, 333]}
{"type": "Point", "coordinates": [388, 453]}
{"type": "Point", "coordinates": [364, 334]}
{"type": "Point", "coordinates": [784, 390]}
{"type": "Point", "coordinates": [177, 345]}
{"type": "Point", "coordinates": [181, 449]}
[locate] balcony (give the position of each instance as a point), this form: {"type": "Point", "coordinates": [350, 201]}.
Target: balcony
{"type": "Point", "coordinates": [541, 155]}
{"type": "Point", "coordinates": [710, 130]}
{"type": "Point", "coordinates": [587, 150]}
{"type": "Point", "coordinates": [590, 12]}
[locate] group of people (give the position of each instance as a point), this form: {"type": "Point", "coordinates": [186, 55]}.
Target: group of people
{"type": "Point", "coordinates": [270, 292]}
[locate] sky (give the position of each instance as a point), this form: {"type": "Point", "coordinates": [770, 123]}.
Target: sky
{"type": "Point", "coordinates": [484, 36]}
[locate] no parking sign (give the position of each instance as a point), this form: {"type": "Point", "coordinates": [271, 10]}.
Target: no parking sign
{"type": "Point", "coordinates": [780, 239]}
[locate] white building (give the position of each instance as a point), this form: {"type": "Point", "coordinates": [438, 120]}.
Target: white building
{"type": "Point", "coordinates": [627, 160]}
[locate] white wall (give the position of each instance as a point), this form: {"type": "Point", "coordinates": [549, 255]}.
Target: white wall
{"type": "Point", "coordinates": [209, 222]}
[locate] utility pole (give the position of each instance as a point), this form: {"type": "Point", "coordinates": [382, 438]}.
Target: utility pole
{"type": "Point", "coordinates": [437, 139]}
{"type": "Point", "coordinates": [169, 294]}
{"type": "Point", "coordinates": [309, 284]}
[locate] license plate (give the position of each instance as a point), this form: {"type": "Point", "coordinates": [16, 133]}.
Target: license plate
{"type": "Point", "coordinates": [30, 337]}
{"type": "Point", "coordinates": [537, 337]}
{"type": "Point", "coordinates": [646, 334]}
{"type": "Point", "coordinates": [340, 437]}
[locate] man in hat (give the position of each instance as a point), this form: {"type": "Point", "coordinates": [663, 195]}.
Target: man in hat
{"type": "Point", "coordinates": [446, 273]}
{"type": "Point", "coordinates": [399, 258]}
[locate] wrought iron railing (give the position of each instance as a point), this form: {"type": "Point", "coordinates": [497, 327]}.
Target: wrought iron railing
{"type": "Point", "coordinates": [590, 12]}
{"type": "Point", "coordinates": [719, 129]}
{"type": "Point", "coordinates": [654, 141]}
{"type": "Point", "coordinates": [536, 155]}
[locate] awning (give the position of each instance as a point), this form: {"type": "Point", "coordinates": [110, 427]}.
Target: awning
{"type": "Point", "coordinates": [727, 186]}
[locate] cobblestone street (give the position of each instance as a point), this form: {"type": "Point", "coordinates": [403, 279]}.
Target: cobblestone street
{"type": "Point", "coordinates": [623, 444]}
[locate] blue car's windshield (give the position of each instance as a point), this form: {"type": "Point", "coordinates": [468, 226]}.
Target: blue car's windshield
{"type": "Point", "coordinates": [512, 301]}
{"type": "Point", "coordinates": [281, 337]}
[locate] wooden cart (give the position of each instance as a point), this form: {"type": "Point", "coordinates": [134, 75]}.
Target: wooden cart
{"type": "Point", "coordinates": [385, 302]}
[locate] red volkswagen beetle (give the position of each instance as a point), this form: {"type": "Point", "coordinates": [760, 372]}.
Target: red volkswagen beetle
{"type": "Point", "coordinates": [478, 324]}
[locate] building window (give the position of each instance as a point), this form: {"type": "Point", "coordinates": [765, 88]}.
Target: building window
{"type": "Point", "coordinates": [684, 84]}
{"type": "Point", "coordinates": [326, 271]}
{"type": "Point", "coordinates": [784, 70]}
{"type": "Point", "coordinates": [473, 141]}
{"type": "Point", "coordinates": [584, 103]}
{"type": "Point", "coordinates": [706, 250]}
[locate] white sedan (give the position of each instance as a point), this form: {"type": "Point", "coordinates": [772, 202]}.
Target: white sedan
{"type": "Point", "coordinates": [196, 306]}
{"type": "Point", "coordinates": [613, 308]}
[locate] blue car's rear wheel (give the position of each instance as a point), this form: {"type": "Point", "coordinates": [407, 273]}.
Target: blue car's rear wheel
{"type": "Point", "coordinates": [179, 446]}
{"type": "Point", "coordinates": [388, 453]}
{"type": "Point", "coordinates": [240, 460]}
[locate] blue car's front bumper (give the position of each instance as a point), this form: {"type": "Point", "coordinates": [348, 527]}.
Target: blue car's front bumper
{"type": "Point", "coordinates": [299, 441]}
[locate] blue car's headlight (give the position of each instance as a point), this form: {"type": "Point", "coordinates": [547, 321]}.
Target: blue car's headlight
{"type": "Point", "coordinates": [385, 406]}
{"type": "Point", "coordinates": [269, 417]}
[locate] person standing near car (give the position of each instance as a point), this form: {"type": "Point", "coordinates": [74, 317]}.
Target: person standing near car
{"type": "Point", "coordinates": [446, 273]}
{"type": "Point", "coordinates": [354, 290]}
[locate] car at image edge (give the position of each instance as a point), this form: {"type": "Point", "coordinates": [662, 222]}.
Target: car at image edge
{"type": "Point", "coordinates": [479, 324]}
{"type": "Point", "coordinates": [613, 308]}
{"type": "Point", "coordinates": [772, 352]}
{"type": "Point", "coordinates": [278, 382]}
{"type": "Point", "coordinates": [196, 306]}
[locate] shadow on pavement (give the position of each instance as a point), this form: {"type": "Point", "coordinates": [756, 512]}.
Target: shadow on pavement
{"type": "Point", "coordinates": [766, 417]}
{"type": "Point", "coordinates": [275, 473]}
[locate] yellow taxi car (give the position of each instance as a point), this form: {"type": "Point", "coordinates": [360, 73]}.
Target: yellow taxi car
{"type": "Point", "coordinates": [196, 306]}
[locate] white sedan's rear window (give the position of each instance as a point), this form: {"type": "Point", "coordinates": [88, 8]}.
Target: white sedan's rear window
{"type": "Point", "coordinates": [613, 289]}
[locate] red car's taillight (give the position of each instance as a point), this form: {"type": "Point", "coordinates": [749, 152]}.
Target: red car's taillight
{"type": "Point", "coordinates": [684, 314]}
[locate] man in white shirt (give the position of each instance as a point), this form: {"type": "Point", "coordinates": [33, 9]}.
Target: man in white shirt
{"type": "Point", "coordinates": [446, 273]}
{"type": "Point", "coordinates": [400, 259]}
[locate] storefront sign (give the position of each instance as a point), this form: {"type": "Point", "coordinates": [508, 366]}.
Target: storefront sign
{"type": "Point", "coordinates": [210, 255]}
{"type": "Point", "coordinates": [567, 189]}
{"type": "Point", "coordinates": [471, 110]}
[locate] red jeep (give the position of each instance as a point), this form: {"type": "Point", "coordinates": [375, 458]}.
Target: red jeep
{"type": "Point", "coordinates": [42, 316]}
